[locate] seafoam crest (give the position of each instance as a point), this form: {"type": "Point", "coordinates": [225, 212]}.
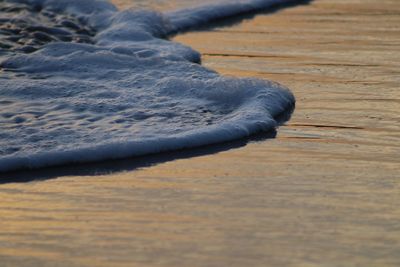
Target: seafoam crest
{"type": "Point", "coordinates": [123, 90]}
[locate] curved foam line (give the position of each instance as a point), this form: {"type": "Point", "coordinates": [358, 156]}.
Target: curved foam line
{"type": "Point", "coordinates": [187, 18]}
{"type": "Point", "coordinates": [129, 55]}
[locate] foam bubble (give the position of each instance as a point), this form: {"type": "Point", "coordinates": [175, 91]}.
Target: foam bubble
{"type": "Point", "coordinates": [128, 93]}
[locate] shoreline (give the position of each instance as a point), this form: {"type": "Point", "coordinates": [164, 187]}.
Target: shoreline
{"type": "Point", "coordinates": [324, 191]}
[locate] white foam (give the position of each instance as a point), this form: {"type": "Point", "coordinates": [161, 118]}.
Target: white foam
{"type": "Point", "coordinates": [192, 17]}
{"type": "Point", "coordinates": [132, 93]}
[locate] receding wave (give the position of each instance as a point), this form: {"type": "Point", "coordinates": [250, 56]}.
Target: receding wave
{"type": "Point", "coordinates": [187, 18]}
{"type": "Point", "coordinates": [81, 81]}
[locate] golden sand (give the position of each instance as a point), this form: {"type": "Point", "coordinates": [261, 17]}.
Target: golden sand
{"type": "Point", "coordinates": [324, 192]}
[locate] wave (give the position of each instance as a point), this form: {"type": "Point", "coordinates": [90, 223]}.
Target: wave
{"type": "Point", "coordinates": [188, 18]}
{"type": "Point", "coordinates": [115, 87]}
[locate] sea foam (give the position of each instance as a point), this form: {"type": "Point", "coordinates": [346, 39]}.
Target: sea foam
{"type": "Point", "coordinates": [125, 91]}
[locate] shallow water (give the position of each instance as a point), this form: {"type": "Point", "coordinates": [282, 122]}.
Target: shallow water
{"type": "Point", "coordinates": [26, 28]}
{"type": "Point", "coordinates": [324, 192]}
{"type": "Point", "coordinates": [83, 82]}
{"type": "Point", "coordinates": [160, 5]}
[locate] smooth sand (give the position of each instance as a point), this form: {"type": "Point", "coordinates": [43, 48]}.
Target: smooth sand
{"type": "Point", "coordinates": [324, 192]}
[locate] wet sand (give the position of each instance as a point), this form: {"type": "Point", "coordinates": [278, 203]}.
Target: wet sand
{"type": "Point", "coordinates": [324, 192]}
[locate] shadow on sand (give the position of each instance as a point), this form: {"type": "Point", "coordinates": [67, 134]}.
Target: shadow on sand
{"type": "Point", "coordinates": [229, 21]}
{"type": "Point", "coordinates": [134, 163]}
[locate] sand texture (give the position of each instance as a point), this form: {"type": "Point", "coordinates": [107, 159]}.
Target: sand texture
{"type": "Point", "coordinates": [324, 192]}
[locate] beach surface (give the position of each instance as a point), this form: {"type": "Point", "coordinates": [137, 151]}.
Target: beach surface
{"type": "Point", "coordinates": [322, 191]}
